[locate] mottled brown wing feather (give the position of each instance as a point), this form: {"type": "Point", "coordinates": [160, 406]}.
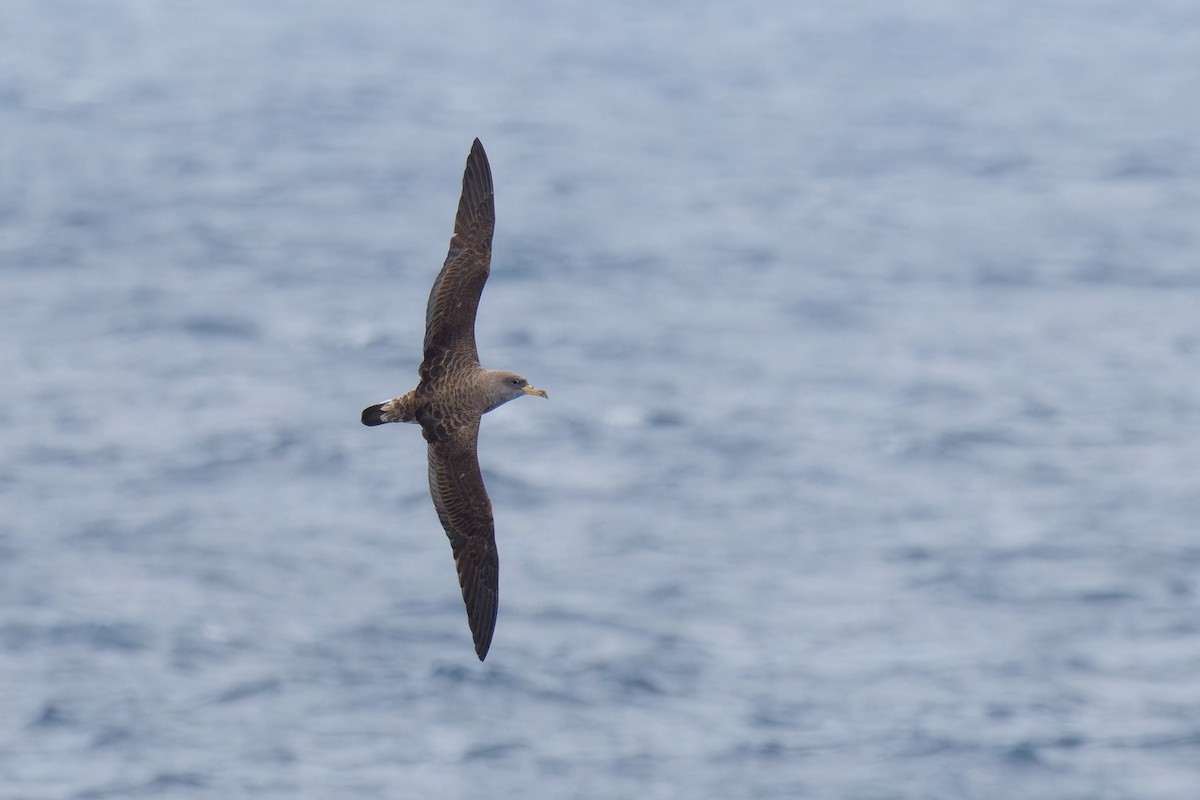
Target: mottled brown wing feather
{"type": "Point", "coordinates": [462, 505]}
{"type": "Point", "coordinates": [454, 298]}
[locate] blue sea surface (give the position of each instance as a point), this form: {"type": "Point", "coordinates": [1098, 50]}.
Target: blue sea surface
{"type": "Point", "coordinates": [871, 465]}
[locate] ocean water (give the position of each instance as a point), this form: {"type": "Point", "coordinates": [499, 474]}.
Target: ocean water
{"type": "Point", "coordinates": [870, 464]}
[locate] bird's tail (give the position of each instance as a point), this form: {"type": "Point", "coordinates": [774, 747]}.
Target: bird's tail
{"type": "Point", "coordinates": [398, 409]}
{"type": "Point", "coordinates": [373, 415]}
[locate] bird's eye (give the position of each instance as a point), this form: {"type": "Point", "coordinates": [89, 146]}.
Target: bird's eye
{"type": "Point", "coordinates": [515, 381]}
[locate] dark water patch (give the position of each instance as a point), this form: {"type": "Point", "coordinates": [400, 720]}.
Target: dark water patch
{"type": "Point", "coordinates": [1003, 166]}
{"type": "Point", "coordinates": [171, 781]}
{"type": "Point", "coordinates": [129, 536]}
{"type": "Point", "coordinates": [195, 645]}
{"type": "Point", "coordinates": [384, 652]}
{"type": "Point", "coordinates": [1186, 741]}
{"type": "Point", "coordinates": [921, 745]}
{"type": "Point", "coordinates": [1033, 752]}
{"type": "Point", "coordinates": [745, 259]}
{"type": "Point", "coordinates": [221, 327]}
{"type": "Point", "coordinates": [118, 636]}
{"type": "Point", "coordinates": [555, 691]}
{"type": "Point", "coordinates": [103, 636]}
{"type": "Point", "coordinates": [666, 668]}
{"type": "Point", "coordinates": [165, 784]}
{"type": "Point", "coordinates": [740, 444]}
{"type": "Point", "coordinates": [12, 96]}
{"type": "Point", "coordinates": [222, 455]}
{"type": "Point", "coordinates": [495, 751]}
{"type": "Point", "coordinates": [104, 531]}
{"type": "Point", "coordinates": [210, 327]}
{"type": "Point", "coordinates": [916, 554]}
{"type": "Point", "coordinates": [1008, 274]}
{"type": "Point", "coordinates": [1186, 344]}
{"type": "Point", "coordinates": [214, 246]}
{"type": "Point", "coordinates": [1032, 408]}
{"type": "Point", "coordinates": [9, 549]}
{"type": "Point", "coordinates": [1112, 271]}
{"type": "Point", "coordinates": [615, 349]}
{"type": "Point", "coordinates": [667, 591]}
{"type": "Point", "coordinates": [639, 766]}
{"type": "Point", "coordinates": [768, 749]}
{"type": "Point", "coordinates": [773, 713]}
{"type": "Point", "coordinates": [468, 675]}
{"type": "Point", "coordinates": [929, 392]}
{"type": "Point", "coordinates": [665, 418]}
{"type": "Point", "coordinates": [518, 338]}
{"type": "Point", "coordinates": [249, 689]}
{"type": "Point", "coordinates": [630, 683]}
{"type": "Point", "coordinates": [1008, 587]}
{"type": "Point", "coordinates": [1144, 166]}
{"type": "Point", "coordinates": [84, 218]}
{"type": "Point", "coordinates": [322, 459]}
{"type": "Point", "coordinates": [959, 445]}
{"type": "Point", "coordinates": [826, 316]}
{"type": "Point", "coordinates": [1038, 551]}
{"type": "Point", "coordinates": [59, 255]}
{"type": "Point", "coordinates": [52, 715]}
{"type": "Point", "coordinates": [1107, 596]}
{"type": "Point", "coordinates": [81, 455]}
{"type": "Point", "coordinates": [1044, 473]}
{"type": "Point", "coordinates": [1024, 754]}
{"type": "Point", "coordinates": [513, 490]}
{"type": "Point", "coordinates": [116, 737]}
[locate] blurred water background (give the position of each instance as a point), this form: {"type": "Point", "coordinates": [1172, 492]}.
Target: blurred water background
{"type": "Point", "coordinates": [871, 332]}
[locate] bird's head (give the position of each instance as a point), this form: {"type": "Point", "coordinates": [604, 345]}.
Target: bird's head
{"type": "Point", "coordinates": [504, 386]}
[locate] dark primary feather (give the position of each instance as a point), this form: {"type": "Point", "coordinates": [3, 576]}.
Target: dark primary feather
{"type": "Point", "coordinates": [478, 576]}
{"type": "Point", "coordinates": [463, 507]}
{"type": "Point", "coordinates": [454, 298]}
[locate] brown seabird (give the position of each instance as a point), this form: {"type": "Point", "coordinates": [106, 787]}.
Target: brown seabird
{"type": "Point", "coordinates": [454, 392]}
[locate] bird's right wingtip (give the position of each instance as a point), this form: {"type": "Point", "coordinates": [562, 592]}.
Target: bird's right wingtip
{"type": "Point", "coordinates": [481, 614]}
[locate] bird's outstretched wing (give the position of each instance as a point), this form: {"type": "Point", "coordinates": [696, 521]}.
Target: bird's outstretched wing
{"type": "Point", "coordinates": [454, 298]}
{"type": "Point", "coordinates": [465, 511]}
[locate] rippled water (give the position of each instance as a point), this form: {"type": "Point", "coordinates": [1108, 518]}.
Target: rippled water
{"type": "Point", "coordinates": [869, 469]}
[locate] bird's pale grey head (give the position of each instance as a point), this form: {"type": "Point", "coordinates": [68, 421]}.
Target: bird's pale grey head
{"type": "Point", "coordinates": [503, 386]}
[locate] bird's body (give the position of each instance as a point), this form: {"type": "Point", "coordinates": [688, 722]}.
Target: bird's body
{"type": "Point", "coordinates": [452, 395]}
